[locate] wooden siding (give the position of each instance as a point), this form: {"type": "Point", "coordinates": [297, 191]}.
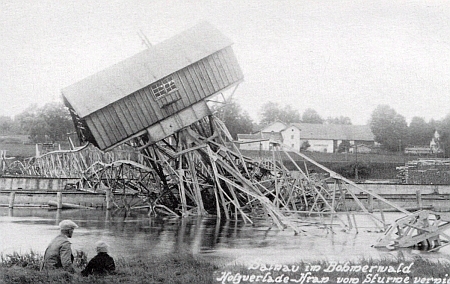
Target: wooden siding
{"type": "Point", "coordinates": [138, 111]}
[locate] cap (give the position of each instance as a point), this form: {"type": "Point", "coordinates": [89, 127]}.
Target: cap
{"type": "Point", "coordinates": [101, 246]}
{"type": "Point", "coordinates": [67, 225]}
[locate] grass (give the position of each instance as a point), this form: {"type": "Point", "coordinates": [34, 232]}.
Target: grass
{"type": "Point", "coordinates": [24, 268]}
{"type": "Point", "coordinates": [18, 150]}
{"type": "Point", "coordinates": [17, 268]}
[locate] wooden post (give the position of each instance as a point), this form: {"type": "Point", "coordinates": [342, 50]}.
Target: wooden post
{"type": "Point", "coordinates": [58, 217]}
{"type": "Point", "coordinates": [108, 199]}
{"type": "Point", "coordinates": [12, 195]}
{"type": "Point", "coordinates": [107, 216]}
{"type": "Point", "coordinates": [419, 199]}
{"type": "Point", "coordinates": [59, 200]}
{"type": "Point", "coordinates": [370, 203]}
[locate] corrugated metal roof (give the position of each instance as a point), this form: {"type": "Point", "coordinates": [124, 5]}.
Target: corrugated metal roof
{"type": "Point", "coordinates": [144, 68]}
{"type": "Point", "coordinates": [334, 131]}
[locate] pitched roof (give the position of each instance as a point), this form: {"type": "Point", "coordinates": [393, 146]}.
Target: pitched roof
{"type": "Point", "coordinates": [275, 136]}
{"type": "Point", "coordinates": [334, 131]}
{"type": "Point", "coordinates": [144, 68]}
{"type": "Point", "coordinates": [252, 136]}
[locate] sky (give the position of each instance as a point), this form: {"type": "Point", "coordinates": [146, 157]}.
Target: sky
{"type": "Point", "coordinates": [338, 57]}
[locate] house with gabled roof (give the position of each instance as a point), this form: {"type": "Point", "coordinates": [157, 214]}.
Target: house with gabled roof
{"type": "Point", "coordinates": [319, 137]}
{"type": "Point", "coordinates": [156, 92]}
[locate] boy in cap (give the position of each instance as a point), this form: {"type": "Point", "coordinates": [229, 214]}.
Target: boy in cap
{"type": "Point", "coordinates": [59, 252]}
{"type": "Point", "coordinates": [100, 264]}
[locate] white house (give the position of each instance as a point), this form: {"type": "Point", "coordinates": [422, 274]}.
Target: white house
{"type": "Point", "coordinates": [259, 140]}
{"type": "Point", "coordinates": [320, 137]}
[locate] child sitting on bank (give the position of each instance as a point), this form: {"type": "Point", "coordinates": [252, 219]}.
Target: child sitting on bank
{"type": "Point", "coordinates": [102, 263]}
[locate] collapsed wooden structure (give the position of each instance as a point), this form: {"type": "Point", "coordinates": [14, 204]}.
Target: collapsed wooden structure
{"type": "Point", "coordinates": [425, 230]}
{"type": "Point", "coordinates": [161, 102]}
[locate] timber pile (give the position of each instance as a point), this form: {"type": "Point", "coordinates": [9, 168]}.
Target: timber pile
{"type": "Point", "coordinates": [430, 171]}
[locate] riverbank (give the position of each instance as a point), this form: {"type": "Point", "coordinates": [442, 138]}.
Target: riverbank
{"type": "Point", "coordinates": [187, 269]}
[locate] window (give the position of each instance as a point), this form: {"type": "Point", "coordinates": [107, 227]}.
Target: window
{"type": "Point", "coordinates": [163, 87]}
{"type": "Point", "coordinates": [292, 136]}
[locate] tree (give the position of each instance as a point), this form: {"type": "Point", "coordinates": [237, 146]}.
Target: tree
{"type": "Point", "coordinates": [6, 124]}
{"type": "Point", "coordinates": [311, 116]}
{"type": "Point", "coordinates": [27, 119]}
{"type": "Point", "coordinates": [305, 145]}
{"type": "Point", "coordinates": [50, 122]}
{"type": "Point", "coordinates": [339, 120]}
{"type": "Point", "coordinates": [271, 112]}
{"type": "Point", "coordinates": [420, 132]}
{"type": "Point", "coordinates": [389, 128]}
{"type": "Point", "coordinates": [236, 120]}
{"type": "Point", "coordinates": [343, 146]}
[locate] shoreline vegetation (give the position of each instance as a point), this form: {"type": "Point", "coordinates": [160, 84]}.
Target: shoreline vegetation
{"type": "Point", "coordinates": [186, 268]}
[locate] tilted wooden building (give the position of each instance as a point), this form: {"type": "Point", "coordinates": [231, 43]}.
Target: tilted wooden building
{"type": "Point", "coordinates": [156, 92]}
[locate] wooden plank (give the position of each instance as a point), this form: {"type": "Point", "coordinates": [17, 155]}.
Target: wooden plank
{"type": "Point", "coordinates": [210, 73]}
{"type": "Point", "coordinates": [224, 64]}
{"type": "Point", "coordinates": [187, 86]}
{"type": "Point", "coordinates": [168, 110]}
{"type": "Point", "coordinates": [126, 114]}
{"type": "Point", "coordinates": [141, 111]}
{"type": "Point", "coordinates": [101, 134]}
{"type": "Point", "coordinates": [143, 108]}
{"type": "Point", "coordinates": [135, 113]}
{"type": "Point", "coordinates": [228, 64]}
{"type": "Point", "coordinates": [110, 130]}
{"type": "Point", "coordinates": [153, 109]}
{"type": "Point", "coordinates": [201, 91]}
{"type": "Point", "coordinates": [121, 116]}
{"type": "Point", "coordinates": [223, 58]}
{"type": "Point", "coordinates": [95, 132]}
{"type": "Point", "coordinates": [196, 93]}
{"type": "Point", "coordinates": [200, 80]}
{"type": "Point", "coordinates": [130, 113]}
{"type": "Point", "coordinates": [205, 76]}
{"type": "Point", "coordinates": [178, 105]}
{"type": "Point", "coordinates": [233, 64]}
{"type": "Point", "coordinates": [219, 67]}
{"type": "Point", "coordinates": [187, 100]}
{"type": "Point", "coordinates": [209, 62]}
{"type": "Point", "coordinates": [114, 120]}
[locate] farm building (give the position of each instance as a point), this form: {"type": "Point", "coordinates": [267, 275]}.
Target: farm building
{"type": "Point", "coordinates": [418, 150]}
{"type": "Point", "coordinates": [320, 137]}
{"type": "Point", "coordinates": [156, 92]}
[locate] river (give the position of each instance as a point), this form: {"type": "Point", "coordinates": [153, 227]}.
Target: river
{"type": "Point", "coordinates": [225, 242]}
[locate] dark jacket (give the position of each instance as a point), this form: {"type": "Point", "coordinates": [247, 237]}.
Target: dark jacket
{"type": "Point", "coordinates": [100, 264]}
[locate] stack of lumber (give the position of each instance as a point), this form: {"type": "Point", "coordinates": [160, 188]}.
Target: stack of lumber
{"type": "Point", "coordinates": [429, 171]}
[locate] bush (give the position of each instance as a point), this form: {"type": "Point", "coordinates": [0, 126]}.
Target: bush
{"type": "Point", "coordinates": [349, 170]}
{"type": "Point", "coordinates": [30, 260]}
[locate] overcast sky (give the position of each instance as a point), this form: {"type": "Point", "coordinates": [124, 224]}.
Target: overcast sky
{"type": "Point", "coordinates": [337, 57]}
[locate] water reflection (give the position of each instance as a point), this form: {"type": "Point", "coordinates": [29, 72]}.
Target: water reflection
{"type": "Point", "coordinates": [222, 241]}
